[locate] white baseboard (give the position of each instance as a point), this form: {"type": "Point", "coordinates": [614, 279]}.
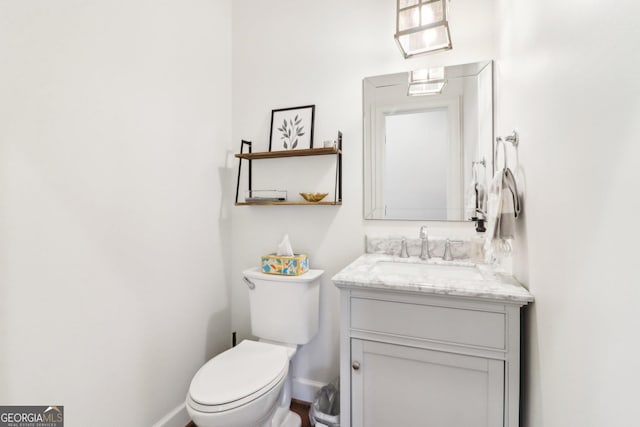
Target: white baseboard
{"type": "Point", "coordinates": [305, 389]}
{"type": "Point", "coordinates": [176, 418]}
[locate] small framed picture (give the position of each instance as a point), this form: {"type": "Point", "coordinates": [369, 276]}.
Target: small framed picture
{"type": "Point", "coordinates": [292, 128]}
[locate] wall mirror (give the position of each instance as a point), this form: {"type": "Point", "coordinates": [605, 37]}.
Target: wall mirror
{"type": "Point", "coordinates": [422, 153]}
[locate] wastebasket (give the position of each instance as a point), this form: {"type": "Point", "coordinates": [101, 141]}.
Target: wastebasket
{"type": "Point", "coordinates": [325, 410]}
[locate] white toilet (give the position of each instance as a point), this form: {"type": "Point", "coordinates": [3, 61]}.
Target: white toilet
{"type": "Point", "coordinates": [249, 385]}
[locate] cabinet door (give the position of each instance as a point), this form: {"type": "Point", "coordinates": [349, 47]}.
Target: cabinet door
{"type": "Point", "coordinates": [394, 385]}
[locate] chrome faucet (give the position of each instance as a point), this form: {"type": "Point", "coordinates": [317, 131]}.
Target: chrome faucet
{"type": "Point", "coordinates": [424, 243]}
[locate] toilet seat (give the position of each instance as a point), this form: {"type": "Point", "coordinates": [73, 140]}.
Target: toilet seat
{"type": "Point", "coordinates": [238, 376]}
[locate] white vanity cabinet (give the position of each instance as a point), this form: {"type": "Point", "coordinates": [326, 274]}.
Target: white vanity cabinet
{"type": "Point", "coordinates": [430, 344]}
{"type": "Point", "coordinates": [413, 356]}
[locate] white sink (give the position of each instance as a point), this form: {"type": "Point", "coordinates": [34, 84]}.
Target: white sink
{"type": "Point", "coordinates": [424, 270]}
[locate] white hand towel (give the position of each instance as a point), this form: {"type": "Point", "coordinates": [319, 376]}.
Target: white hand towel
{"type": "Point", "coordinates": [503, 207]}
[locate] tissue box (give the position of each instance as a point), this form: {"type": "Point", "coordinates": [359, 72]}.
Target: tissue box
{"type": "Point", "coordinates": [286, 265]}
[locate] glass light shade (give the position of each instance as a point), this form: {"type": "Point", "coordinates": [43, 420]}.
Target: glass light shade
{"type": "Point", "coordinates": [419, 75]}
{"type": "Point", "coordinates": [427, 88]}
{"type": "Point", "coordinates": [408, 18]}
{"type": "Point", "coordinates": [429, 81]}
{"type": "Point", "coordinates": [407, 3]}
{"type": "Point", "coordinates": [422, 26]}
{"type": "Point", "coordinates": [426, 74]}
{"type": "Point", "coordinates": [432, 12]}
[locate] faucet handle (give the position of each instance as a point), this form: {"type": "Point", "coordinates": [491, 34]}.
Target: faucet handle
{"type": "Point", "coordinates": [424, 244]}
{"type": "Point", "coordinates": [447, 251]}
{"type": "Point", "coordinates": [404, 253]}
{"type": "Point", "coordinates": [448, 256]}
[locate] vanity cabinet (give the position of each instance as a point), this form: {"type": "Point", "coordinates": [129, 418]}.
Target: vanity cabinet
{"type": "Point", "coordinates": [416, 359]}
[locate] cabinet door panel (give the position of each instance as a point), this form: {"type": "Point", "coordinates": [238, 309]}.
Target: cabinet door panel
{"type": "Point", "coordinates": [404, 386]}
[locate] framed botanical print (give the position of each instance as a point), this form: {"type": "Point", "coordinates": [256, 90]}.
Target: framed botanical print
{"type": "Point", "coordinates": [292, 128]}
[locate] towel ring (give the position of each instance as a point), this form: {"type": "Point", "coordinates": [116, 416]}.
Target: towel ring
{"type": "Point", "coordinates": [514, 139]}
{"type": "Point", "coordinates": [500, 143]}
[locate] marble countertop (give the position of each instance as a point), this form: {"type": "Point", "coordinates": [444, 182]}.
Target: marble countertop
{"type": "Point", "coordinates": [364, 274]}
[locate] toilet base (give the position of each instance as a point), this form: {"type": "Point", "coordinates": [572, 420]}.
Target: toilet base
{"type": "Point", "coordinates": [284, 418]}
{"type": "Point", "coordinates": [292, 420]}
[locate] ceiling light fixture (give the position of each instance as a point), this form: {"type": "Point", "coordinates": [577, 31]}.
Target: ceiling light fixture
{"type": "Point", "coordinates": [429, 81]}
{"type": "Point", "coordinates": [422, 26]}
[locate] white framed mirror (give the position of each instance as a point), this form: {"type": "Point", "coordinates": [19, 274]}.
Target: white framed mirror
{"type": "Point", "coordinates": [424, 154]}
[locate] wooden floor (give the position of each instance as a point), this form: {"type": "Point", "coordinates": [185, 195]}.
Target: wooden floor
{"type": "Point", "coordinates": [301, 408]}
{"type": "Point", "coordinates": [297, 406]}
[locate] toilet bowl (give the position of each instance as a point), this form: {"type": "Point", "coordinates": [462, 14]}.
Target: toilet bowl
{"type": "Point", "coordinates": [250, 385]}
{"type": "Point", "coordinates": [240, 387]}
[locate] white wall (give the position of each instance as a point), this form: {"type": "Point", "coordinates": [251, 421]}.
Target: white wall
{"type": "Point", "coordinates": [114, 223]}
{"type": "Point", "coordinates": [291, 52]}
{"type": "Point", "coordinates": [567, 80]}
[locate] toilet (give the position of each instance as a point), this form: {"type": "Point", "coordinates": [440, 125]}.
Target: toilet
{"type": "Point", "coordinates": [249, 385]}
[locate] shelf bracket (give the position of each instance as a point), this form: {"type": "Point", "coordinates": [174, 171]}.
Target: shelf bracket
{"type": "Point", "coordinates": [337, 195]}
{"type": "Point", "coordinates": [242, 144]}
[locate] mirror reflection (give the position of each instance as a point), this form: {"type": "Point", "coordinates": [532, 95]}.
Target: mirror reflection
{"type": "Point", "coordinates": [428, 142]}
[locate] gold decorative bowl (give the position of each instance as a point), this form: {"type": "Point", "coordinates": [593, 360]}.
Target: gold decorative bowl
{"type": "Point", "coordinates": [313, 197]}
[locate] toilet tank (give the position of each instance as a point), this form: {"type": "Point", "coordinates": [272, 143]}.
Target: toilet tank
{"type": "Point", "coordinates": [284, 308]}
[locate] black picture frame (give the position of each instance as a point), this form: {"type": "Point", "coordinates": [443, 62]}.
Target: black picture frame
{"type": "Point", "coordinates": [292, 128]}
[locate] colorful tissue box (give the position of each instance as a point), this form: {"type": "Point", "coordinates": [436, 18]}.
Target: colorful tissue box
{"type": "Point", "coordinates": [285, 265]}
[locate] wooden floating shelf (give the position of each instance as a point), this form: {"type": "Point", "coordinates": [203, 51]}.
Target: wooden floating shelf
{"type": "Point", "coordinates": [290, 153]}
{"type": "Point", "coordinates": [336, 151]}
{"type": "Point", "coordinates": [288, 203]}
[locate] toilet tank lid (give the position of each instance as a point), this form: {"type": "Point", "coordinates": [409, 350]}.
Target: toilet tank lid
{"type": "Point", "coordinates": [256, 273]}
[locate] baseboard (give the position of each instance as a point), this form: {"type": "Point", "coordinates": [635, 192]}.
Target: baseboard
{"type": "Point", "coordinates": [305, 390]}
{"type": "Point", "coordinates": [176, 418]}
